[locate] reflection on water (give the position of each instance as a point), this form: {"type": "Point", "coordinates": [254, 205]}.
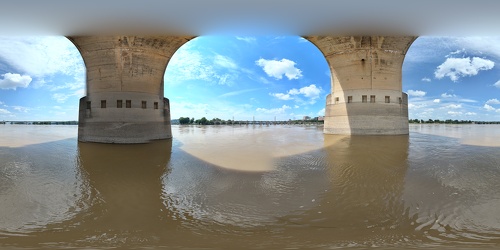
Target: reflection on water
{"type": "Point", "coordinates": [453, 193]}
{"type": "Point", "coordinates": [420, 190]}
{"type": "Point", "coordinates": [113, 194]}
{"type": "Point", "coordinates": [246, 148]}
{"type": "Point", "coordinates": [362, 205]}
{"type": "Point", "coordinates": [126, 182]}
{"type": "Point", "coordinates": [38, 186]}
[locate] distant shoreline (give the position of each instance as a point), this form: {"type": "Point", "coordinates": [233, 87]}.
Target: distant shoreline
{"type": "Point", "coordinates": [175, 122]}
{"type": "Point", "coordinates": [449, 121]}
{"type": "Point", "coordinates": [39, 122]}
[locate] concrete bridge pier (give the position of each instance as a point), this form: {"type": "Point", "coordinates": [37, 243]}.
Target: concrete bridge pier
{"type": "Point", "coordinates": [124, 102]}
{"type": "Point", "coordinates": [367, 97]}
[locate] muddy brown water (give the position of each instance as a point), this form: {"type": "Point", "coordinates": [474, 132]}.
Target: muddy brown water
{"type": "Point", "coordinates": [254, 187]}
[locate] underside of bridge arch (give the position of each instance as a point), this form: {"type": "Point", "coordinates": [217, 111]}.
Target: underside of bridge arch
{"type": "Point", "coordinates": [124, 101]}
{"type": "Point", "coordinates": [366, 96]}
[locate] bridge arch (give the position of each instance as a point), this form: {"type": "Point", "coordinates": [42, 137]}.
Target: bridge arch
{"type": "Point", "coordinates": [367, 95]}
{"type": "Point", "coordinates": [125, 103]}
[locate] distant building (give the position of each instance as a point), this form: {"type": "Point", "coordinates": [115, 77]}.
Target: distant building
{"type": "Point", "coordinates": [321, 118]}
{"type": "Point", "coordinates": [305, 118]}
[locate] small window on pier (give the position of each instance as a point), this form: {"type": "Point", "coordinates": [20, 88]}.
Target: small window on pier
{"type": "Point", "coordinates": [128, 104]}
{"type": "Point", "coordinates": [364, 98]}
{"type": "Point", "coordinates": [349, 99]}
{"type": "Point", "coordinates": [119, 104]}
{"type": "Point", "coordinates": [387, 99]}
{"type": "Point", "coordinates": [143, 104]}
{"type": "Point", "coordinates": [103, 104]}
{"type": "Point", "coordinates": [400, 100]}
{"type": "Point", "coordinates": [156, 105]}
{"type": "Point", "coordinates": [336, 100]}
{"type": "Point", "coordinates": [372, 99]}
{"type": "Point", "coordinates": [88, 104]}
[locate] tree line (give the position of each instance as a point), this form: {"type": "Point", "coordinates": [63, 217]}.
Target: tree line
{"type": "Point", "coordinates": [204, 121]}
{"type": "Point", "coordinates": [218, 121]}
{"type": "Point", "coordinates": [450, 121]}
{"type": "Point", "coordinates": [40, 122]}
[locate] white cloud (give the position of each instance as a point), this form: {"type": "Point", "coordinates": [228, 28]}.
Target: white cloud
{"type": "Point", "coordinates": [281, 96]}
{"type": "Point", "coordinates": [497, 84]}
{"type": "Point", "coordinates": [21, 109]}
{"type": "Point", "coordinates": [428, 48]}
{"type": "Point", "coordinates": [189, 64]}
{"type": "Point", "coordinates": [493, 101]}
{"type": "Point", "coordinates": [454, 113]}
{"type": "Point", "coordinates": [480, 45]}
{"type": "Point", "coordinates": [453, 106]}
{"type": "Point", "coordinates": [467, 100]}
{"type": "Point", "coordinates": [488, 107]}
{"type": "Point", "coordinates": [275, 111]}
{"type": "Point", "coordinates": [446, 95]}
{"type": "Point", "coordinates": [437, 100]}
{"type": "Point", "coordinates": [68, 86]}
{"type": "Point", "coordinates": [321, 112]}
{"type": "Point", "coordinates": [62, 97]}
{"type": "Point", "coordinates": [417, 93]}
{"type": "Point", "coordinates": [277, 69]}
{"type": "Point", "coordinates": [296, 106]}
{"type": "Point", "coordinates": [247, 39]}
{"type": "Point", "coordinates": [264, 80]}
{"type": "Point", "coordinates": [454, 68]}
{"type": "Point", "coordinates": [14, 81]}
{"type": "Point", "coordinates": [4, 111]}
{"type": "Point", "coordinates": [456, 52]}
{"type": "Point", "coordinates": [416, 106]}
{"type": "Point", "coordinates": [41, 60]}
{"type": "Point", "coordinates": [225, 62]}
{"type": "Point", "coordinates": [426, 79]}
{"type": "Point", "coordinates": [42, 57]}
{"type": "Point", "coordinates": [238, 92]}
{"type": "Point", "coordinates": [312, 92]}
{"type": "Point", "coordinates": [471, 113]}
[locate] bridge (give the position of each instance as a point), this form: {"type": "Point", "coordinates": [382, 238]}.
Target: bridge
{"type": "Point", "coordinates": [126, 47]}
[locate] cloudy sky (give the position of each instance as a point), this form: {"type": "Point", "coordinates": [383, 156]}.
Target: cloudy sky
{"type": "Point", "coordinates": [42, 78]}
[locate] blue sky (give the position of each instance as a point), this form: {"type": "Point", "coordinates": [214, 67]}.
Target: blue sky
{"type": "Point", "coordinates": [42, 78]}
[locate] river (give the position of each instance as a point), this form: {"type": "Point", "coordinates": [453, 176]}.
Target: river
{"type": "Point", "coordinates": [251, 187]}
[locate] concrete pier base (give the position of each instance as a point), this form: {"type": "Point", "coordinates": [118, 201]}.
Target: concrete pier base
{"type": "Point", "coordinates": [124, 125]}
{"type": "Point", "coordinates": [365, 118]}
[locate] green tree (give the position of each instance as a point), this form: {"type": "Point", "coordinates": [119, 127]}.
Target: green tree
{"type": "Point", "coordinates": [203, 121]}
{"type": "Point", "coordinates": [184, 120]}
